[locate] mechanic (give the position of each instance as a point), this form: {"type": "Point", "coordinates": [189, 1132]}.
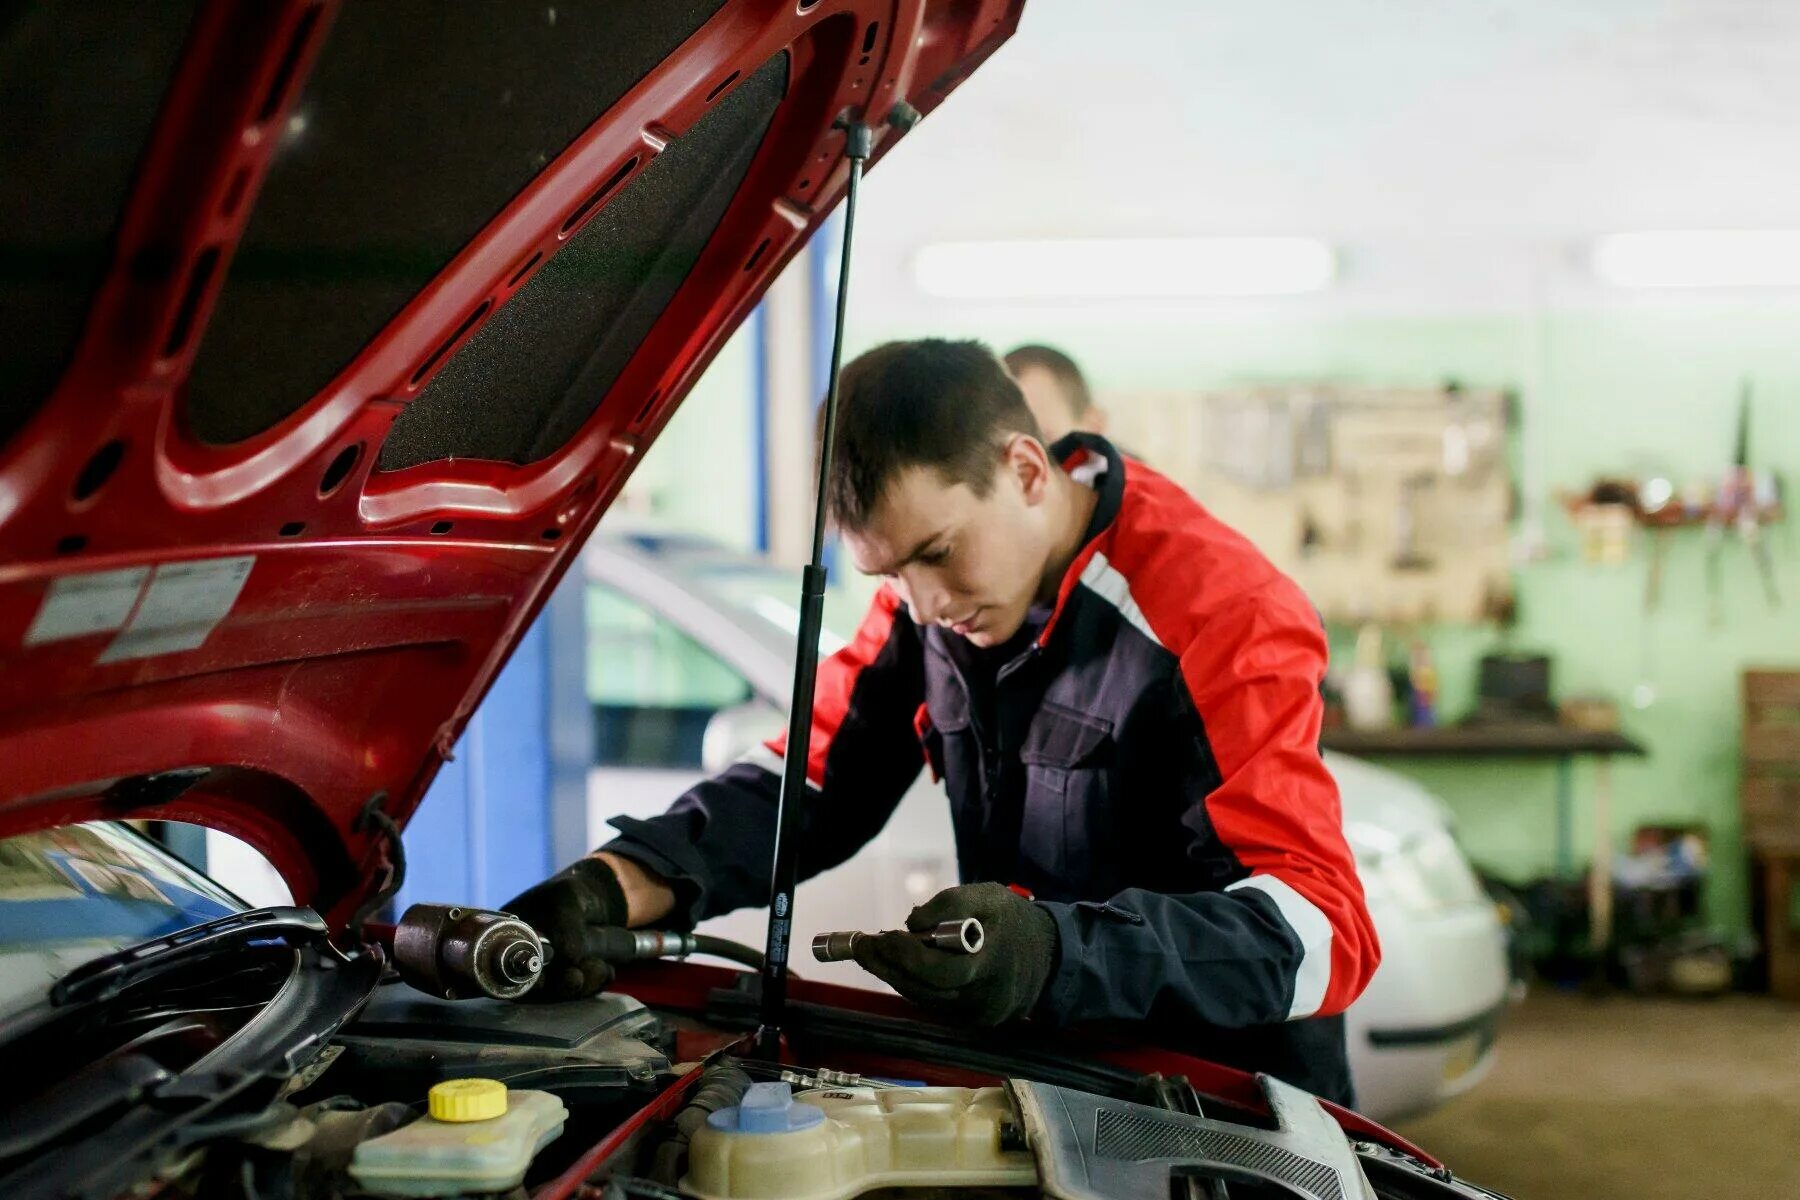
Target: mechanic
{"type": "Point", "coordinates": [1122, 698]}
{"type": "Point", "coordinates": [1056, 392]}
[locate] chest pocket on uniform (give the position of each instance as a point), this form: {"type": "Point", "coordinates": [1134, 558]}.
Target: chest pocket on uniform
{"type": "Point", "coordinates": [1068, 758]}
{"type": "Point", "coordinates": [1061, 740]}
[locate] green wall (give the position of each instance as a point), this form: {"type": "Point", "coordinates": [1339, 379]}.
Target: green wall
{"type": "Point", "coordinates": [1640, 388]}
{"type": "Point", "coordinates": [1636, 389]}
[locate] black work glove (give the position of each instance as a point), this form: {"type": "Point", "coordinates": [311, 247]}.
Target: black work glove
{"type": "Point", "coordinates": [998, 983]}
{"type": "Point", "coordinates": [563, 909]}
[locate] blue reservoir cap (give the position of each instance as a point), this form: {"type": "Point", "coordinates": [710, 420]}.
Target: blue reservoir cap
{"type": "Point", "coordinates": [767, 1108]}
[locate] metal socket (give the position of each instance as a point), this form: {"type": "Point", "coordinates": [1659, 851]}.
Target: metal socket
{"type": "Point", "coordinates": [952, 937]}
{"type": "Point", "coordinates": [958, 937]}
{"type": "Point", "coordinates": [836, 947]}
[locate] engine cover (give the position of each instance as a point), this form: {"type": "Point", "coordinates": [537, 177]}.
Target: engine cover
{"type": "Point", "coordinates": [1092, 1148]}
{"type": "Point", "coordinates": [586, 1051]}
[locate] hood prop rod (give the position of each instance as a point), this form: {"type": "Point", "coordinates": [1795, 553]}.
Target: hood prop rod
{"type": "Point", "coordinates": [858, 141]}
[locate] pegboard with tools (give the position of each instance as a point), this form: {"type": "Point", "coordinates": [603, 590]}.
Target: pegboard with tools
{"type": "Point", "coordinates": [1385, 504]}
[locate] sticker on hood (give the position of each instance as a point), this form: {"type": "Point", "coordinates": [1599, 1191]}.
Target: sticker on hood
{"type": "Point", "coordinates": [157, 610]}
{"type": "Point", "coordinates": [79, 605]}
{"type": "Point", "coordinates": [181, 606]}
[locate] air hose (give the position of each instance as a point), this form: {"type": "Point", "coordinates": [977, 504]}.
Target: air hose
{"type": "Point", "coordinates": [619, 945]}
{"type": "Point", "coordinates": [722, 1087]}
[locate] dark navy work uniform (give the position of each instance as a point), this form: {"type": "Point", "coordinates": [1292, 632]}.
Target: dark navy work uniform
{"type": "Point", "coordinates": [1143, 757]}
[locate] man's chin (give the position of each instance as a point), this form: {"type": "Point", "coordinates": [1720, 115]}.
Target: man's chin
{"type": "Point", "coordinates": [988, 635]}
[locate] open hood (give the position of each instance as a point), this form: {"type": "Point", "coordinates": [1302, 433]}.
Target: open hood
{"type": "Point", "coordinates": [331, 329]}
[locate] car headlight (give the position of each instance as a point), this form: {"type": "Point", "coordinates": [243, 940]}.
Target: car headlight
{"type": "Point", "coordinates": [1427, 873]}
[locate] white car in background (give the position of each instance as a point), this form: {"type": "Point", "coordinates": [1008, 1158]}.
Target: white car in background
{"type": "Point", "coordinates": [691, 651]}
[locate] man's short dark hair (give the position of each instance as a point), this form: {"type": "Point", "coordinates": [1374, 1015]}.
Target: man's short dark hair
{"type": "Point", "coordinates": [949, 406]}
{"type": "Point", "coordinates": [1061, 367]}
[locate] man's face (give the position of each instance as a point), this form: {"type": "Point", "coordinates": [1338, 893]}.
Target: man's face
{"type": "Point", "coordinates": [1045, 397]}
{"type": "Point", "coordinates": [972, 564]}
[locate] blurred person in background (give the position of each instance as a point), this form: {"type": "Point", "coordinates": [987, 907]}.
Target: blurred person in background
{"type": "Point", "coordinates": [1055, 391]}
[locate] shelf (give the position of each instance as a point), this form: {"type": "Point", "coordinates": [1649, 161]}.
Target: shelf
{"type": "Point", "coordinates": [1516, 740]}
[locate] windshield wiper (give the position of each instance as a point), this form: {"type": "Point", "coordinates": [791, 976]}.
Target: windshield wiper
{"type": "Point", "coordinates": [105, 977]}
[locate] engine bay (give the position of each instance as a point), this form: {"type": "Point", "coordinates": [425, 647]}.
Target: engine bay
{"type": "Point", "coordinates": [416, 1095]}
{"type": "Point", "coordinates": [634, 1119]}
{"type": "Point", "coordinates": [264, 1055]}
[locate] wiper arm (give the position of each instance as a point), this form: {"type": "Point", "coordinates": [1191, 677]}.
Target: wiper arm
{"type": "Point", "coordinates": [107, 976]}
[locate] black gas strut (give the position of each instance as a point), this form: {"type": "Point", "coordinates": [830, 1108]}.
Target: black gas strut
{"type": "Point", "coordinates": [857, 144]}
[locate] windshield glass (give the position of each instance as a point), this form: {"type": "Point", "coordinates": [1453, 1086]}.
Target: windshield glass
{"type": "Point", "coordinates": [76, 893]}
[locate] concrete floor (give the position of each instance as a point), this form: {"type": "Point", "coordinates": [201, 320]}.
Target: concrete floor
{"type": "Point", "coordinates": [1630, 1099]}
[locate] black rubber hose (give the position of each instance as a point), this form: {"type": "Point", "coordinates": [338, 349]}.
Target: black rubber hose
{"type": "Point", "coordinates": [722, 1088]}
{"type": "Point", "coordinates": [737, 952]}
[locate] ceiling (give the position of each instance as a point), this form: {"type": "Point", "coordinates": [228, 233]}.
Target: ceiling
{"type": "Point", "coordinates": [1457, 154]}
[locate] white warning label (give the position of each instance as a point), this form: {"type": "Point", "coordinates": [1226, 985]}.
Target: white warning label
{"type": "Point", "coordinates": [182, 605]}
{"type": "Point", "coordinates": [78, 605]}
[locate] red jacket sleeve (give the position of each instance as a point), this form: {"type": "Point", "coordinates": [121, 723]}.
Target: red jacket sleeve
{"type": "Point", "coordinates": [1253, 670]}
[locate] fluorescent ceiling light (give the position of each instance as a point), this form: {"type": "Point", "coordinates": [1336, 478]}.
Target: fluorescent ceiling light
{"type": "Point", "coordinates": [1124, 267]}
{"type": "Point", "coordinates": [1700, 258]}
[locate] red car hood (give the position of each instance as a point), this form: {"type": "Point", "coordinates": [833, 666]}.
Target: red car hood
{"type": "Point", "coordinates": [331, 332]}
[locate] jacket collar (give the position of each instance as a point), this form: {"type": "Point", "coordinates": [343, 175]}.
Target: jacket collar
{"type": "Point", "coordinates": [1091, 460]}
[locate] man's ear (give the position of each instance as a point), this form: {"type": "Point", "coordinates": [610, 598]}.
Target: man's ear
{"type": "Point", "coordinates": [1028, 462]}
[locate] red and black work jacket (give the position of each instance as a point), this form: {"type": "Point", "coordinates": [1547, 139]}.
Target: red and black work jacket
{"type": "Point", "coordinates": [1147, 765]}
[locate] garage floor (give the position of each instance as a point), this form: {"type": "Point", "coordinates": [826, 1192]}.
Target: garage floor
{"type": "Point", "coordinates": [1628, 1099]}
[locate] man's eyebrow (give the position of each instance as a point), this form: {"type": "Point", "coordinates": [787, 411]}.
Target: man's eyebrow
{"type": "Point", "coordinates": [916, 552]}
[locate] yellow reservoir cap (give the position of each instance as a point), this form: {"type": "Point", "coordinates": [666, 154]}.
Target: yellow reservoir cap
{"type": "Point", "coordinates": [467, 1100]}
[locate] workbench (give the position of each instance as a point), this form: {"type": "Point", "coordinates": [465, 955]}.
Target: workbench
{"type": "Point", "coordinates": [1524, 740]}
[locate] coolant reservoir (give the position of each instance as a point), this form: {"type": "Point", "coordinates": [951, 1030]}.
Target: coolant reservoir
{"type": "Point", "coordinates": [478, 1137]}
{"type": "Point", "coordinates": [826, 1145]}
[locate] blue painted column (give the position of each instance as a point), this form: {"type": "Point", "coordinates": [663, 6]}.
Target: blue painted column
{"type": "Point", "coordinates": [823, 254]}
{"type": "Point", "coordinates": [759, 427]}
{"type": "Point", "coordinates": [511, 806]}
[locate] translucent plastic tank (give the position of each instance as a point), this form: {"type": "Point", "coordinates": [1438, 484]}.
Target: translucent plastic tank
{"type": "Point", "coordinates": [478, 1137]}
{"type": "Point", "coordinates": [826, 1145]}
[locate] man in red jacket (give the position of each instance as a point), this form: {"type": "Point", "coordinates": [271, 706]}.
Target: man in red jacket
{"type": "Point", "coordinates": [1122, 698]}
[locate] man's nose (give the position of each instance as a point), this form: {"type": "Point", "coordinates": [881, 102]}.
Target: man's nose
{"type": "Point", "coordinates": [929, 601]}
